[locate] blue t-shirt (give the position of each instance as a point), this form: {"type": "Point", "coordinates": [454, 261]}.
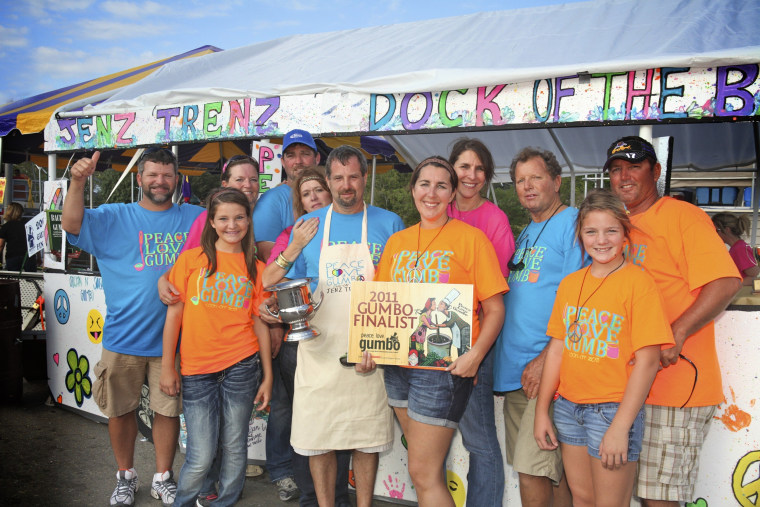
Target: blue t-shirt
{"type": "Point", "coordinates": [381, 224]}
{"type": "Point", "coordinates": [528, 304]}
{"type": "Point", "coordinates": [273, 213]}
{"type": "Point", "coordinates": [134, 247]}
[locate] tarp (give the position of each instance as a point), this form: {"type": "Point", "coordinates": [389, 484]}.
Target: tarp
{"type": "Point", "coordinates": [31, 114]}
{"type": "Point", "coordinates": [618, 62]}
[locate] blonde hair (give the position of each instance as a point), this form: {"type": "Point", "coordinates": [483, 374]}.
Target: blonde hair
{"type": "Point", "coordinates": [601, 199]}
{"type": "Point", "coordinates": [13, 212]}
{"type": "Point", "coordinates": [736, 225]}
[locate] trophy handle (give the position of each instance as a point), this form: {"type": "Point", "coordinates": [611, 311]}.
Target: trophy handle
{"type": "Point", "coordinates": [275, 315]}
{"type": "Point", "coordinates": [317, 304]}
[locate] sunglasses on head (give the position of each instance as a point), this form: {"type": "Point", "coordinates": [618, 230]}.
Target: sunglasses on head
{"type": "Point", "coordinates": [156, 149]}
{"type": "Point", "coordinates": [237, 158]}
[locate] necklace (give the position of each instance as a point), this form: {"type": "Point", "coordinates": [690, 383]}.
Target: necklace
{"type": "Point", "coordinates": [414, 275]}
{"type": "Point", "coordinates": [520, 265]}
{"type": "Point", "coordinates": [575, 331]}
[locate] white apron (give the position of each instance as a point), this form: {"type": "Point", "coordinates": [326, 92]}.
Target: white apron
{"type": "Point", "coordinates": [334, 407]}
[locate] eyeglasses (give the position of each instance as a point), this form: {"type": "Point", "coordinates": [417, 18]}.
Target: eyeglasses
{"type": "Point", "coordinates": [696, 375]}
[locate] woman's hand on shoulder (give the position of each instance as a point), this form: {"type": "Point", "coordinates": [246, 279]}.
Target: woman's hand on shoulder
{"type": "Point", "coordinates": [304, 231]}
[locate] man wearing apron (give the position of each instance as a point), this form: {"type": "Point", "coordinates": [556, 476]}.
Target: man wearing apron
{"type": "Point", "coordinates": [339, 407]}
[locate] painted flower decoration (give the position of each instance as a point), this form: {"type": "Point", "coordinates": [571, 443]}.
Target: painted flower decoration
{"type": "Point", "coordinates": [78, 379]}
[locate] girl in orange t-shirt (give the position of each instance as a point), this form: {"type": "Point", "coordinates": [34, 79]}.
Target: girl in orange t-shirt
{"type": "Point", "coordinates": [602, 360]}
{"type": "Point", "coordinates": [224, 348]}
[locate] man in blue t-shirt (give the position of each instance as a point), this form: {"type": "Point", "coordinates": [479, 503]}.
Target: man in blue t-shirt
{"type": "Point", "coordinates": [274, 209]}
{"type": "Point", "coordinates": [546, 252]}
{"type": "Point", "coordinates": [134, 245]}
{"type": "Point", "coordinates": [357, 235]}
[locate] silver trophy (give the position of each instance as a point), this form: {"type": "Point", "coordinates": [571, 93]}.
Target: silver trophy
{"type": "Point", "coordinates": [295, 308]}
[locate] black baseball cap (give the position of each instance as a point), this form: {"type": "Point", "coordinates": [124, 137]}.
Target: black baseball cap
{"type": "Point", "coordinates": [632, 149]}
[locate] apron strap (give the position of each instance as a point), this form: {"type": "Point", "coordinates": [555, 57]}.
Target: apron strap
{"type": "Point", "coordinates": [328, 223]}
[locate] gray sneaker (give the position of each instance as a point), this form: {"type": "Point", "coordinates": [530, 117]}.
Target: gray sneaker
{"type": "Point", "coordinates": [126, 487]}
{"type": "Point", "coordinates": [205, 499]}
{"type": "Point", "coordinates": [164, 488]}
{"type": "Point", "coordinates": [287, 489]}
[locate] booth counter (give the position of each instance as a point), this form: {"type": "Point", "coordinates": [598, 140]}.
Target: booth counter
{"type": "Point", "coordinates": [730, 460]}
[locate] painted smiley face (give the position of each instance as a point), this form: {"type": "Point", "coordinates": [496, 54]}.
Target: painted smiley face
{"type": "Point", "coordinates": [95, 326]}
{"type": "Point", "coordinates": [456, 488]}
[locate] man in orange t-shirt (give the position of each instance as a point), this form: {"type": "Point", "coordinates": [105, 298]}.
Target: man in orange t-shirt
{"type": "Point", "coordinates": [676, 243]}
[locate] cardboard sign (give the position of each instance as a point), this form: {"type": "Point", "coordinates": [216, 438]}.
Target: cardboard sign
{"type": "Point", "coordinates": [424, 325]}
{"type": "Point", "coordinates": [35, 233]}
{"type": "Point", "coordinates": [269, 157]}
{"type": "Point", "coordinates": [55, 232]}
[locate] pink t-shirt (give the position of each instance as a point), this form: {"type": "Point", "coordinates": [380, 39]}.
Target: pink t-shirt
{"type": "Point", "coordinates": [494, 223]}
{"type": "Point", "coordinates": [280, 244]}
{"type": "Point", "coordinates": [194, 234]}
{"type": "Point", "coordinates": [742, 255]}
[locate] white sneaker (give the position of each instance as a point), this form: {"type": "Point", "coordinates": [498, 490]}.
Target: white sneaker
{"type": "Point", "coordinates": [126, 487]}
{"type": "Point", "coordinates": [164, 488]}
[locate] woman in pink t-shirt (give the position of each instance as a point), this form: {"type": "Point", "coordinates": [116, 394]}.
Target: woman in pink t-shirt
{"type": "Point", "coordinates": [730, 229]}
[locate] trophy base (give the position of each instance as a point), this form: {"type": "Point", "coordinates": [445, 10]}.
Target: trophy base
{"type": "Point", "coordinates": [300, 335]}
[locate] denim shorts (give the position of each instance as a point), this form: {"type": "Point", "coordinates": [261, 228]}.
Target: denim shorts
{"type": "Point", "coordinates": [432, 397]}
{"type": "Point", "coordinates": [586, 423]}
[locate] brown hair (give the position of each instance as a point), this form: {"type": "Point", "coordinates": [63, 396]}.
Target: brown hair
{"type": "Point", "coordinates": [550, 161]}
{"type": "Point", "coordinates": [209, 235]}
{"type": "Point", "coordinates": [436, 161]}
{"type": "Point", "coordinates": [736, 225]}
{"type": "Point", "coordinates": [467, 144]}
{"type": "Point", "coordinates": [306, 175]}
{"type": "Point", "coordinates": [13, 212]}
{"type": "Point", "coordinates": [602, 199]}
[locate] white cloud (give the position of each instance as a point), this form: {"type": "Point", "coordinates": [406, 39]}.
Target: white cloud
{"type": "Point", "coordinates": [40, 8]}
{"type": "Point", "coordinates": [12, 37]}
{"type": "Point", "coordinates": [113, 30]}
{"type": "Point", "coordinates": [78, 65]}
{"type": "Point", "coordinates": [135, 10]}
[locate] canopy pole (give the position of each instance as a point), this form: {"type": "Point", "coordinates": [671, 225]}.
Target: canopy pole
{"type": "Point", "coordinates": [52, 167]}
{"type": "Point", "coordinates": [756, 184]}
{"type": "Point", "coordinates": [569, 165]}
{"type": "Point", "coordinates": [372, 188]}
{"type": "Point", "coordinates": [645, 132]}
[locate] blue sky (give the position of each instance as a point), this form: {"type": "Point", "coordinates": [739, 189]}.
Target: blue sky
{"type": "Point", "coordinates": [45, 45]}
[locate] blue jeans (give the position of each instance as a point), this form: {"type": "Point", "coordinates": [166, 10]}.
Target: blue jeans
{"type": "Point", "coordinates": [485, 479]}
{"type": "Point", "coordinates": [217, 409]}
{"type": "Point", "coordinates": [278, 427]}
{"type": "Point", "coordinates": [288, 358]}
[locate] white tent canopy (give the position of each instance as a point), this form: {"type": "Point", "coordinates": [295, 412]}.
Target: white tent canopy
{"type": "Point", "coordinates": [484, 50]}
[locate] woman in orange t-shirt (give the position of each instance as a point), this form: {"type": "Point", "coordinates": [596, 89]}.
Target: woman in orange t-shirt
{"type": "Point", "coordinates": [602, 360]}
{"type": "Point", "coordinates": [224, 347]}
{"type": "Point", "coordinates": [430, 402]}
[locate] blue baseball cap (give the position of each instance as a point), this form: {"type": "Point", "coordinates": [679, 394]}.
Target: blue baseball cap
{"type": "Point", "coordinates": [297, 136]}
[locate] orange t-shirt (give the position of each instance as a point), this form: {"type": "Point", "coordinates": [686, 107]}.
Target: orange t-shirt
{"type": "Point", "coordinates": [677, 244]}
{"type": "Point", "coordinates": [458, 253]}
{"type": "Point", "coordinates": [217, 325]}
{"type": "Point", "coordinates": [622, 316]}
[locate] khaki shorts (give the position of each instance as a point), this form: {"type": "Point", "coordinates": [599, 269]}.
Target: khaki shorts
{"type": "Point", "coordinates": [523, 452]}
{"type": "Point", "coordinates": [365, 450]}
{"type": "Point", "coordinates": [669, 459]}
{"type": "Point", "coordinates": [118, 385]}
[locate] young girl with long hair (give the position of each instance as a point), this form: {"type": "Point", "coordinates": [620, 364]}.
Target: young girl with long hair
{"type": "Point", "coordinates": [225, 348]}
{"type": "Point", "coordinates": [607, 326]}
